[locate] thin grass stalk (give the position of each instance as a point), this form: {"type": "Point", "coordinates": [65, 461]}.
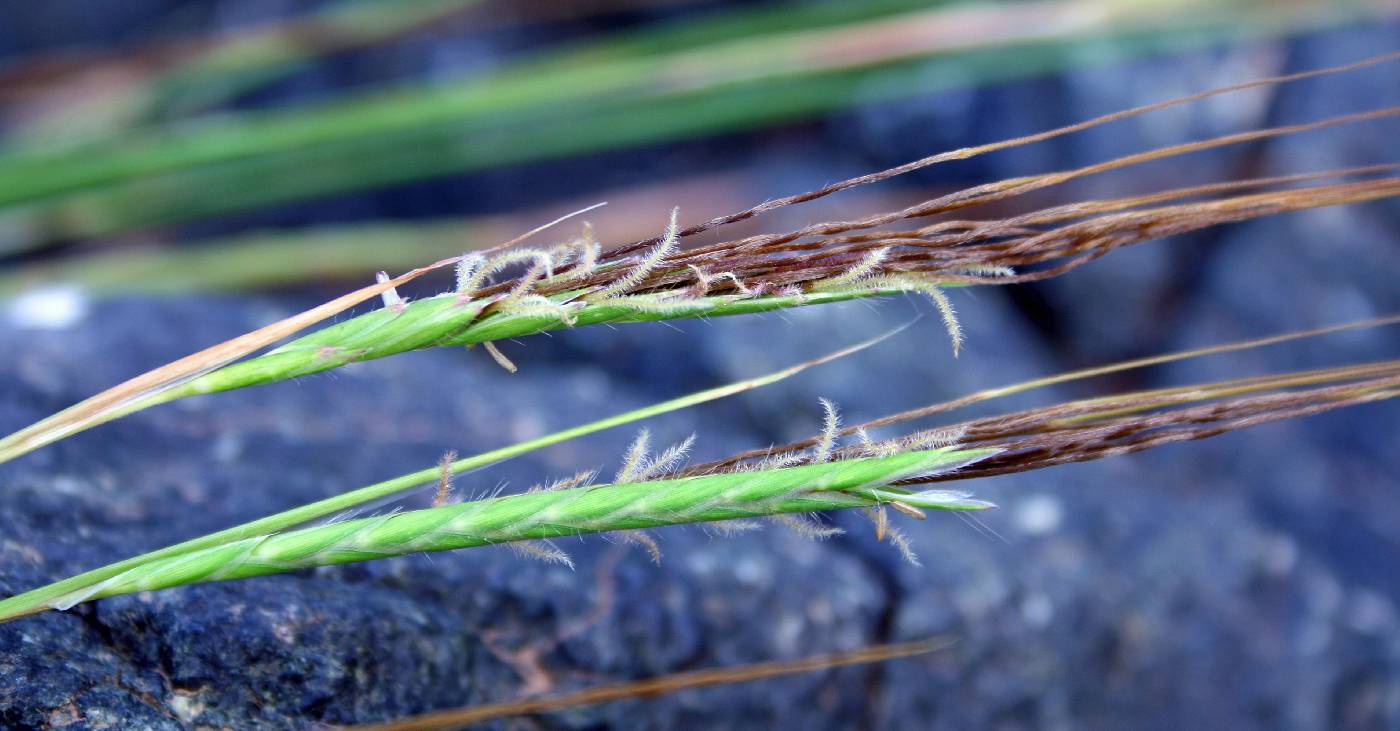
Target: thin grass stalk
{"type": "Point", "coordinates": [653, 687]}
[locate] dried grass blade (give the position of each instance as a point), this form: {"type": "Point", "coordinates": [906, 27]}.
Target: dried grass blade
{"type": "Point", "coordinates": [653, 687]}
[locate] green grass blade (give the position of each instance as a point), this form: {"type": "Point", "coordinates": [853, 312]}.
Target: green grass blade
{"type": "Point", "coordinates": [257, 260]}
{"type": "Point", "coordinates": [178, 76]}
{"type": "Point", "coordinates": [257, 59]}
{"type": "Point", "coordinates": [617, 93]}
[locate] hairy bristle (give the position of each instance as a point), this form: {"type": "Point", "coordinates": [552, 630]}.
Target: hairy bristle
{"type": "Point", "coordinates": [580, 255]}
{"type": "Point", "coordinates": [444, 483]}
{"type": "Point", "coordinates": [831, 423]}
{"type": "Point", "coordinates": [540, 267]}
{"type": "Point", "coordinates": [534, 305]}
{"type": "Point", "coordinates": [773, 462]}
{"type": "Point", "coordinates": [807, 527]}
{"type": "Point", "coordinates": [949, 315]}
{"type": "Point", "coordinates": [704, 280]}
{"type": "Point", "coordinates": [734, 527]}
{"type": "Point", "coordinates": [643, 539]}
{"type": "Point", "coordinates": [578, 479]}
{"type": "Point", "coordinates": [466, 269]}
{"type": "Point", "coordinates": [541, 550]}
{"type": "Point", "coordinates": [666, 461]}
{"type": "Point", "coordinates": [468, 285]}
{"type": "Point", "coordinates": [676, 303]}
{"type": "Point", "coordinates": [933, 438]}
{"type": "Point", "coordinates": [641, 269]}
{"type": "Point", "coordinates": [901, 542]}
{"type": "Point", "coordinates": [987, 270]}
{"type": "Point", "coordinates": [634, 460]}
{"type": "Point", "coordinates": [864, 269]}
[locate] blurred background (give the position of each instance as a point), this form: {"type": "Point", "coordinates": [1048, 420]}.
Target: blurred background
{"type": "Point", "coordinates": [175, 174]}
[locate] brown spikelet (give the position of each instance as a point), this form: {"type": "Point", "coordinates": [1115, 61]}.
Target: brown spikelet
{"type": "Point", "coordinates": [958, 433]}
{"type": "Point", "coordinates": [1091, 429]}
{"type": "Point", "coordinates": [969, 152]}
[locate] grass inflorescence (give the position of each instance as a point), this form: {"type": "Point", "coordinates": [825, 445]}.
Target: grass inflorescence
{"type": "Point", "coordinates": [576, 284]}
{"type": "Point", "coordinates": [507, 292]}
{"type": "Point", "coordinates": [840, 467]}
{"type": "Point", "coordinates": [544, 514]}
